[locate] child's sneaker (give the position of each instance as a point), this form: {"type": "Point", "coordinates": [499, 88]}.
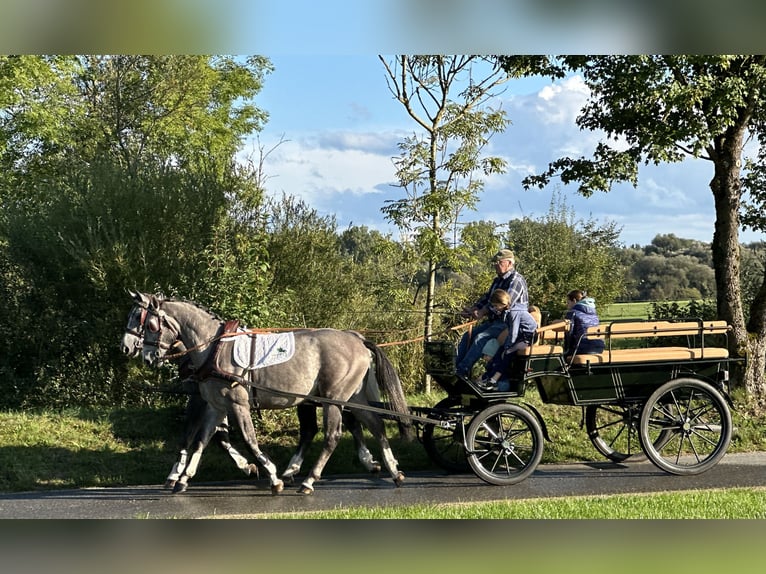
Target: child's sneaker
{"type": "Point", "coordinates": [487, 384]}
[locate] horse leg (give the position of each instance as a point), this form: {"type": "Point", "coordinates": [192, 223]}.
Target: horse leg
{"type": "Point", "coordinates": [245, 422]}
{"type": "Point", "coordinates": [375, 425]}
{"type": "Point", "coordinates": [177, 469]}
{"type": "Point", "coordinates": [210, 420]}
{"type": "Point", "coordinates": [332, 433]}
{"type": "Point", "coordinates": [308, 429]}
{"type": "Point", "coordinates": [364, 454]}
{"type": "Point", "coordinates": [224, 441]}
{"type": "Point", "coordinates": [307, 422]}
{"type": "Point", "coordinates": [195, 408]}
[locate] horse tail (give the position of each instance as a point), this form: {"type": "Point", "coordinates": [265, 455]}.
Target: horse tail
{"type": "Point", "coordinates": [391, 385]}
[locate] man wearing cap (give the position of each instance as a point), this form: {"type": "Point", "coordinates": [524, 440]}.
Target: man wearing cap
{"type": "Point", "coordinates": [469, 349]}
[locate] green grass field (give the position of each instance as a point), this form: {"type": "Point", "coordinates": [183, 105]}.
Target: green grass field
{"type": "Point", "coordinates": [617, 311]}
{"type": "Point", "coordinates": [740, 503]}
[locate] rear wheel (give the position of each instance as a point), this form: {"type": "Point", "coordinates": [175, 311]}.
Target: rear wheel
{"type": "Point", "coordinates": [613, 430]}
{"type": "Point", "coordinates": [685, 426]}
{"type": "Point", "coordinates": [505, 444]}
{"type": "Point", "coordinates": [444, 446]}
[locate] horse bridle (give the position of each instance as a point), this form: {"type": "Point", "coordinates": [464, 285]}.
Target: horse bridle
{"type": "Point", "coordinates": [153, 320]}
{"type": "Point", "coordinates": [138, 332]}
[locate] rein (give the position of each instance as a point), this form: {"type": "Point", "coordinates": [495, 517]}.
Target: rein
{"type": "Point", "coordinates": [287, 329]}
{"type": "Point", "coordinates": [422, 337]}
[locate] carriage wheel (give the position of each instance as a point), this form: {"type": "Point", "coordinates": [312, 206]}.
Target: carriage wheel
{"type": "Point", "coordinates": [685, 426]}
{"type": "Point", "coordinates": [445, 446]}
{"type": "Point", "coordinates": [613, 430]}
{"type": "Point", "coordinates": [505, 444]}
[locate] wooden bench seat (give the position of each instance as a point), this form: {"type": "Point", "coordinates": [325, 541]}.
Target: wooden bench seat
{"type": "Point", "coordinates": [632, 329]}
{"type": "Point", "coordinates": [651, 354]}
{"type": "Point", "coordinates": [541, 349]}
{"type": "Point", "coordinates": [548, 340]}
{"type": "Point", "coordinates": [696, 330]}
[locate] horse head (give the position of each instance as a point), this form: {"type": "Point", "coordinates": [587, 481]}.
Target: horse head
{"type": "Point", "coordinates": [161, 332]}
{"type": "Point", "coordinates": [133, 338]}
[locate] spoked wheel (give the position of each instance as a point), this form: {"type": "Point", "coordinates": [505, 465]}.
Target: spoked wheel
{"type": "Point", "coordinates": [445, 446]}
{"type": "Point", "coordinates": [685, 426]}
{"type": "Point", "coordinates": [505, 444]}
{"type": "Point", "coordinates": [613, 430]}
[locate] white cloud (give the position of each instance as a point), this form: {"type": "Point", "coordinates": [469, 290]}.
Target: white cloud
{"type": "Point", "coordinates": [378, 142]}
{"type": "Point", "coordinates": [560, 103]}
{"type": "Point", "coordinates": [656, 194]}
{"type": "Point", "coordinates": [322, 175]}
{"type": "Point", "coordinates": [349, 172]}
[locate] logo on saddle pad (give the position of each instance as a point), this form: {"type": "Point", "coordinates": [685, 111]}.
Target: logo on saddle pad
{"type": "Point", "coordinates": [263, 349]}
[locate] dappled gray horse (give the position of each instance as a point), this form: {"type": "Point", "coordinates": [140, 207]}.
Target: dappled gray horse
{"type": "Point", "coordinates": [328, 367]}
{"type": "Point", "coordinates": [131, 345]}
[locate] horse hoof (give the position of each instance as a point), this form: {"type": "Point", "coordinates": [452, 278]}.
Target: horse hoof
{"type": "Point", "coordinates": [375, 469]}
{"type": "Point", "coordinates": [304, 489]}
{"type": "Point", "coordinates": [169, 484]}
{"type": "Point", "coordinates": [399, 479]}
{"type": "Point", "coordinates": [277, 488]}
{"type": "Point", "coordinates": [179, 488]}
{"type": "Point", "coordinates": [252, 470]}
{"type": "Point", "coordinates": [288, 478]}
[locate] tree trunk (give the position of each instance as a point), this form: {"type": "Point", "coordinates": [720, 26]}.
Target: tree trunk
{"type": "Point", "coordinates": [726, 261]}
{"type": "Point", "coordinates": [429, 315]}
{"type": "Point", "coordinates": [756, 328]}
{"type": "Point", "coordinates": [756, 366]}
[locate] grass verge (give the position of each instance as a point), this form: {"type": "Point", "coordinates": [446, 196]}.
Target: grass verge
{"type": "Point", "coordinates": [740, 503]}
{"type": "Point", "coordinates": [80, 448]}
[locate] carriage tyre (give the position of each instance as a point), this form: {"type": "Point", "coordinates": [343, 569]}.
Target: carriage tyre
{"type": "Point", "coordinates": [685, 426]}
{"type": "Point", "coordinates": [613, 431]}
{"type": "Point", "coordinates": [505, 444]}
{"type": "Point", "coordinates": [445, 446]}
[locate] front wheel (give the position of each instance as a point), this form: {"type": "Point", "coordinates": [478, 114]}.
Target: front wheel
{"type": "Point", "coordinates": [504, 444]}
{"type": "Point", "coordinates": [685, 426]}
{"type": "Point", "coordinates": [445, 445]}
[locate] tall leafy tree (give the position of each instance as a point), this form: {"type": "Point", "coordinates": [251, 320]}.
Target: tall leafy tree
{"type": "Point", "coordinates": [665, 108]}
{"type": "Point", "coordinates": [440, 166]}
{"type": "Point", "coordinates": [117, 172]}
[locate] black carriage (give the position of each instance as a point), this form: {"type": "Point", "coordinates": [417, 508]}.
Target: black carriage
{"type": "Point", "coordinates": [659, 390]}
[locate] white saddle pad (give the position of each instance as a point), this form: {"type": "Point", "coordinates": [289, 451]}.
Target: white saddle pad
{"type": "Point", "coordinates": [270, 349]}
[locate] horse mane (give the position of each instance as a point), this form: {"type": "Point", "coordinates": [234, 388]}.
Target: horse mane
{"type": "Point", "coordinates": [199, 306]}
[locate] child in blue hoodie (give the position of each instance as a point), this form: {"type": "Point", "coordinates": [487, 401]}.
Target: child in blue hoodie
{"type": "Point", "coordinates": [581, 314]}
{"type": "Point", "coordinates": [520, 330]}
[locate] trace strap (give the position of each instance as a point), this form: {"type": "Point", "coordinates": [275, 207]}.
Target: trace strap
{"type": "Point", "coordinates": [350, 406]}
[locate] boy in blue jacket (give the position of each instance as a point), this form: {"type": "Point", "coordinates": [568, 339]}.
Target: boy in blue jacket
{"type": "Point", "coordinates": [581, 314]}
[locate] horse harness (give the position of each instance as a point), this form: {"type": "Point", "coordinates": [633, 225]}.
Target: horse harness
{"type": "Point", "coordinates": [211, 367]}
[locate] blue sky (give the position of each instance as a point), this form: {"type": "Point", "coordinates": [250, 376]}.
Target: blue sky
{"type": "Point", "coordinates": [329, 100]}
{"type": "Point", "coordinates": [341, 126]}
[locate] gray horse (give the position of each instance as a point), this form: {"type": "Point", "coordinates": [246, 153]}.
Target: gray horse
{"type": "Point", "coordinates": [131, 345]}
{"type": "Point", "coordinates": [328, 367]}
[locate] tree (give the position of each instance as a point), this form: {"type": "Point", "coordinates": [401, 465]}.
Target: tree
{"type": "Point", "coordinates": [170, 110]}
{"type": "Point", "coordinates": [439, 169]}
{"type": "Point", "coordinates": [117, 172]}
{"type": "Point", "coordinates": [558, 253]}
{"type": "Point", "coordinates": [663, 109]}
{"type": "Point", "coordinates": [312, 277]}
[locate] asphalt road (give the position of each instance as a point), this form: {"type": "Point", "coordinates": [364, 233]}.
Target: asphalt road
{"type": "Point", "coordinates": [252, 497]}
